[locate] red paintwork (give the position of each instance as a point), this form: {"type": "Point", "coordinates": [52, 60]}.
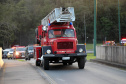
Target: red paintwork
{"type": "Point", "coordinates": [53, 41]}
{"type": "Point", "coordinates": [46, 41]}
{"type": "Point", "coordinates": [39, 30]}
{"type": "Point", "coordinates": [36, 52]}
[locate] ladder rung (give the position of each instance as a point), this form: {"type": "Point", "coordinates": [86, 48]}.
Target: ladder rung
{"type": "Point", "coordinates": [59, 15]}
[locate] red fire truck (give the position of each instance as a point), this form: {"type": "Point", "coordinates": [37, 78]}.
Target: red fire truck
{"type": "Point", "coordinates": [58, 41]}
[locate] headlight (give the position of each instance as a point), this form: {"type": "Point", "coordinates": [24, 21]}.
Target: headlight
{"type": "Point", "coordinates": [48, 51]}
{"type": "Point", "coordinates": [80, 50]}
{"type": "Point", "coordinates": [17, 53]}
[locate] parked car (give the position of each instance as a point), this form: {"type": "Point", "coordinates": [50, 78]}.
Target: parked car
{"type": "Point", "coordinates": [29, 52]}
{"type": "Point", "coordinates": [19, 52]}
{"type": "Point", "coordinates": [10, 54]}
{"type": "Point", "coordinates": [5, 52]}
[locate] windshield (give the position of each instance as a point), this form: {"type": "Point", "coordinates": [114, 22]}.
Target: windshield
{"type": "Point", "coordinates": [61, 33]}
{"type": "Point", "coordinates": [11, 50]}
{"type": "Point", "coordinates": [30, 48]}
{"type": "Point", "coordinates": [20, 49]}
{"type": "Point", "coordinates": [5, 52]}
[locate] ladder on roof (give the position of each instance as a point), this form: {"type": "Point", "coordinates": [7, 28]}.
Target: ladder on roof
{"type": "Point", "coordinates": [59, 15]}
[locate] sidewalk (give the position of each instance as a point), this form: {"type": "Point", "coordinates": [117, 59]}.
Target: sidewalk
{"type": "Point", "coordinates": [109, 63]}
{"type": "Point", "coordinates": [17, 72]}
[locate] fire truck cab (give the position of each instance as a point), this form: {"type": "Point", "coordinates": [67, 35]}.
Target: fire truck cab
{"type": "Point", "coordinates": [58, 40]}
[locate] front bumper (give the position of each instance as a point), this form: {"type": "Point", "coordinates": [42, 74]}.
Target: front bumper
{"type": "Point", "coordinates": [65, 55]}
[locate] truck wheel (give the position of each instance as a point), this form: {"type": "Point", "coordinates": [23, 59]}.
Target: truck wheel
{"type": "Point", "coordinates": [70, 63]}
{"type": "Point", "coordinates": [46, 64]}
{"type": "Point", "coordinates": [37, 63]}
{"type": "Point", "coordinates": [81, 62]}
{"type": "Point", "coordinates": [26, 59]}
{"type": "Point", "coordinates": [64, 63]}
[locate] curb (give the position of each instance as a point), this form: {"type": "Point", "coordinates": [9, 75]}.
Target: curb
{"type": "Point", "coordinates": [118, 65]}
{"type": "Point", "coordinates": [45, 77]}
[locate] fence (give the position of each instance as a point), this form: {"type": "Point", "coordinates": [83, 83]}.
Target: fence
{"type": "Point", "coordinates": [115, 54]}
{"type": "Point", "coordinates": [1, 61]}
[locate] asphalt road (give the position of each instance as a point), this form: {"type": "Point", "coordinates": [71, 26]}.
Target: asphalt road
{"type": "Point", "coordinates": [26, 72]}
{"type": "Point", "coordinates": [94, 73]}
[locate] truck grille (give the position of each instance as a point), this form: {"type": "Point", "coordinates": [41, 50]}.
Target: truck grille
{"type": "Point", "coordinates": [65, 45]}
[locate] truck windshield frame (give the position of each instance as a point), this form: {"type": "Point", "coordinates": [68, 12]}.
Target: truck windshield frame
{"type": "Point", "coordinates": [58, 33]}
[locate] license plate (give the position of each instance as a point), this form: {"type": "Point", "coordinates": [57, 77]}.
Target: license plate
{"type": "Point", "coordinates": [65, 58]}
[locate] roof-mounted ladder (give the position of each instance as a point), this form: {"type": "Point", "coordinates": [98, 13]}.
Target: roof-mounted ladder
{"type": "Point", "coordinates": [59, 15]}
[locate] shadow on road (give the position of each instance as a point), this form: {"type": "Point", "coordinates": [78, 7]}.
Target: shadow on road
{"type": "Point", "coordinates": [63, 67]}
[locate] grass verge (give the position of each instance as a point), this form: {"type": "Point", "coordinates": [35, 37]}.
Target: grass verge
{"type": "Point", "coordinates": [90, 46]}
{"type": "Point", "coordinates": [90, 56]}
{"type": "Point", "coordinates": [22, 60]}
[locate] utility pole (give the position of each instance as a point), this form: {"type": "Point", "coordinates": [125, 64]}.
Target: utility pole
{"type": "Point", "coordinates": [85, 28]}
{"type": "Point", "coordinates": [95, 21]}
{"type": "Point", "coordinates": [119, 22]}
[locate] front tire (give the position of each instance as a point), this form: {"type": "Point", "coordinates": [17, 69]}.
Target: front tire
{"type": "Point", "coordinates": [46, 64]}
{"type": "Point", "coordinates": [64, 63]}
{"type": "Point", "coordinates": [70, 63]}
{"type": "Point", "coordinates": [81, 62]}
{"type": "Point", "coordinates": [37, 63]}
{"type": "Point", "coordinates": [26, 59]}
